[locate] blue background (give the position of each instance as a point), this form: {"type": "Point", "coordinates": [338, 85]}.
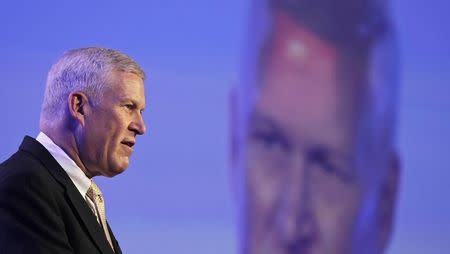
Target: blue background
{"type": "Point", "coordinates": [176, 196]}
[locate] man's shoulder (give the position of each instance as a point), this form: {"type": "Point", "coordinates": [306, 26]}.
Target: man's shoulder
{"type": "Point", "coordinates": [22, 168]}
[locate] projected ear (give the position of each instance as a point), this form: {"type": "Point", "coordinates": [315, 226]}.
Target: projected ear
{"type": "Point", "coordinates": [235, 129]}
{"type": "Point", "coordinates": [233, 126]}
{"type": "Point", "coordinates": [78, 105]}
{"type": "Point", "coordinates": [388, 200]}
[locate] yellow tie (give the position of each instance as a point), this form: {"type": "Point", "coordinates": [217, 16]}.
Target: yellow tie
{"type": "Point", "coordinates": [95, 195]}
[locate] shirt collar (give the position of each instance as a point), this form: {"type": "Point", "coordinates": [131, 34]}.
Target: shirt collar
{"type": "Point", "coordinates": [81, 181]}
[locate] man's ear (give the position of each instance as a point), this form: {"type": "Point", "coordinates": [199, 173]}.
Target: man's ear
{"type": "Point", "coordinates": [78, 106]}
{"type": "Point", "coordinates": [233, 126]}
{"type": "Point", "coordinates": [234, 141]}
{"type": "Point", "coordinates": [388, 200]}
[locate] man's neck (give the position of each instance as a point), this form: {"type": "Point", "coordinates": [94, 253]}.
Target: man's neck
{"type": "Point", "coordinates": [67, 142]}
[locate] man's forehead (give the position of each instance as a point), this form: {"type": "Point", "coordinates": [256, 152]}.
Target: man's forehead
{"type": "Point", "coordinates": [128, 86]}
{"type": "Point", "coordinates": [298, 77]}
{"type": "Point", "coordinates": [296, 44]}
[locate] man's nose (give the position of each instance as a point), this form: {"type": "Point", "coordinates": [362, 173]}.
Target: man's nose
{"type": "Point", "coordinates": [138, 125]}
{"type": "Point", "coordinates": [296, 222]}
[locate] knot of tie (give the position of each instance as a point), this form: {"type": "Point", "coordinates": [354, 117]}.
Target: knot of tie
{"type": "Point", "coordinates": [94, 193]}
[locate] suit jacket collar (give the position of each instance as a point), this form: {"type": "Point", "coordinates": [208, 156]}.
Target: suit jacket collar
{"type": "Point", "coordinates": [88, 219]}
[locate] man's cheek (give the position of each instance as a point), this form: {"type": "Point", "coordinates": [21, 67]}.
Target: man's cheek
{"type": "Point", "coordinates": [336, 224]}
{"type": "Point", "coordinates": [263, 191]}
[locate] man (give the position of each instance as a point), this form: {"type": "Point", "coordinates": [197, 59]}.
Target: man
{"type": "Point", "coordinates": [315, 165]}
{"type": "Point", "coordinates": [91, 115]}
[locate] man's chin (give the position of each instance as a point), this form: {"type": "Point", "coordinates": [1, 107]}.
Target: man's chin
{"type": "Point", "coordinates": [273, 248]}
{"type": "Point", "coordinates": [118, 169]}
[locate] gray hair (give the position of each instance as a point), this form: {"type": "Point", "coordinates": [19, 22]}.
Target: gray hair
{"type": "Point", "coordinates": [86, 70]}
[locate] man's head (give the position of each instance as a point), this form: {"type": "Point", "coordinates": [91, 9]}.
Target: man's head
{"type": "Point", "coordinates": [315, 165]}
{"type": "Point", "coordinates": [93, 106]}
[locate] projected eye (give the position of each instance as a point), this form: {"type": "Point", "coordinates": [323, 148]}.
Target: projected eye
{"type": "Point", "coordinates": [320, 157]}
{"type": "Point", "coordinates": [330, 163]}
{"type": "Point", "coordinates": [270, 140]}
{"type": "Point", "coordinates": [269, 146]}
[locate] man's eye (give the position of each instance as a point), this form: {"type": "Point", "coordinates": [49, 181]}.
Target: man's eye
{"type": "Point", "coordinates": [270, 140]}
{"type": "Point", "coordinates": [320, 157]}
{"type": "Point", "coordinates": [129, 106]}
{"type": "Point", "coordinates": [331, 164]}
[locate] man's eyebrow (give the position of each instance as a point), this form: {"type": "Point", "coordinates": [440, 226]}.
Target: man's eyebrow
{"type": "Point", "coordinates": [133, 101]}
{"type": "Point", "coordinates": [258, 118]}
{"type": "Point", "coordinates": [332, 150]}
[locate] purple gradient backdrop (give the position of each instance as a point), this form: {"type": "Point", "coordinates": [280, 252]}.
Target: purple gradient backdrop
{"type": "Point", "coordinates": [176, 195]}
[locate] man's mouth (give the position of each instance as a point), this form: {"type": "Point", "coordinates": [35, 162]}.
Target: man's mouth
{"type": "Point", "coordinates": [128, 143]}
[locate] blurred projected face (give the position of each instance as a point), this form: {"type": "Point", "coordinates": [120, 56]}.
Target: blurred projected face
{"type": "Point", "coordinates": [303, 172]}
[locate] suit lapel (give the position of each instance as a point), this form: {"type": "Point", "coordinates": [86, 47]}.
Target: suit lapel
{"type": "Point", "coordinates": [73, 195]}
{"type": "Point", "coordinates": [89, 220]}
{"type": "Point", "coordinates": [114, 241]}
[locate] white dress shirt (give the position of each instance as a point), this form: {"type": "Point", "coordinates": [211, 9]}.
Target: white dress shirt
{"type": "Point", "coordinates": [79, 179]}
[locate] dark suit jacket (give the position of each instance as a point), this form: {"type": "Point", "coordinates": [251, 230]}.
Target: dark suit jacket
{"type": "Point", "coordinates": [41, 210]}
